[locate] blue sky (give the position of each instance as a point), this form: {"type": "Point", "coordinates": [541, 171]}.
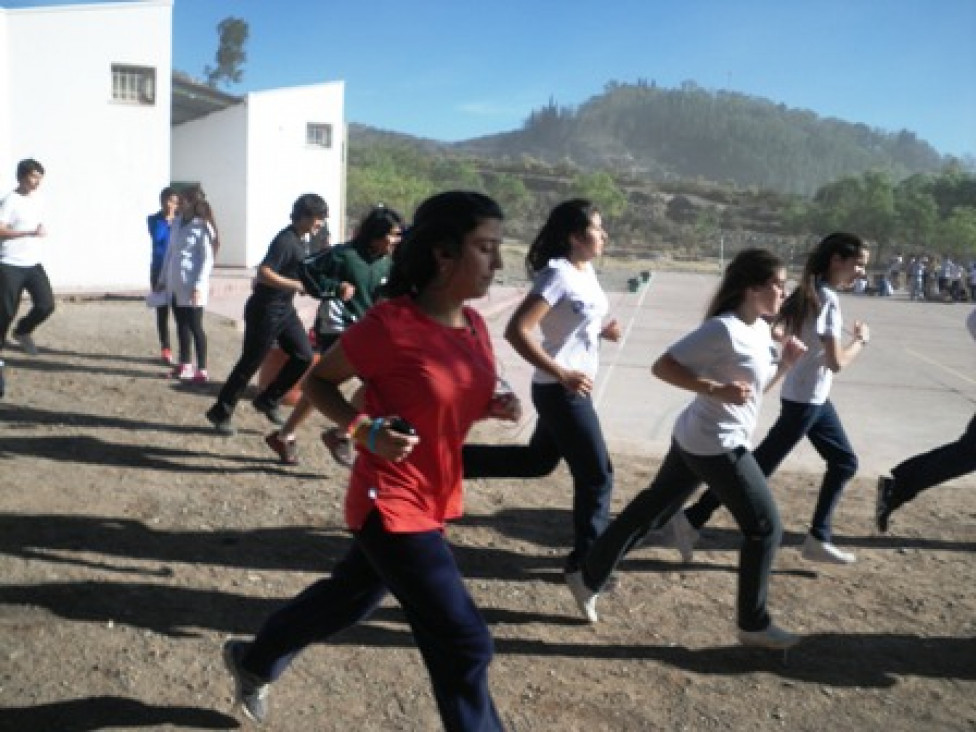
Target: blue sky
{"type": "Point", "coordinates": [455, 69]}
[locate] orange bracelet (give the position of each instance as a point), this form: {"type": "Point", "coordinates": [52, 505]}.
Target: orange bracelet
{"type": "Point", "coordinates": [358, 421]}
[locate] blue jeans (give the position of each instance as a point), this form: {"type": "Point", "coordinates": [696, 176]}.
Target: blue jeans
{"type": "Point", "coordinates": [935, 466]}
{"type": "Point", "coordinates": [419, 569]}
{"type": "Point", "coordinates": [737, 480]}
{"type": "Point", "coordinates": [820, 424]}
{"type": "Point", "coordinates": [568, 428]}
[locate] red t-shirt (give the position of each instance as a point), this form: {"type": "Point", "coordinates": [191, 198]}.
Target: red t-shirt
{"type": "Point", "coordinates": [441, 380]}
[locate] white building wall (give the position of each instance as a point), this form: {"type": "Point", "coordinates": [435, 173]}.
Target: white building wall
{"type": "Point", "coordinates": [282, 165]}
{"type": "Point", "coordinates": [253, 161]}
{"type": "Point", "coordinates": [212, 151]}
{"type": "Point", "coordinates": [5, 101]}
{"type": "Point", "coordinates": [106, 161]}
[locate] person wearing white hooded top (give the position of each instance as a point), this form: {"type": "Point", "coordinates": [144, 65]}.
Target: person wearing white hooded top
{"type": "Point", "coordinates": [185, 278]}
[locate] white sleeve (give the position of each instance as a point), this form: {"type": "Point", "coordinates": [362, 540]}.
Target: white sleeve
{"type": "Point", "coordinates": [6, 211]}
{"type": "Point", "coordinates": [550, 285]}
{"type": "Point", "coordinates": [697, 349]}
{"type": "Point", "coordinates": [830, 324]}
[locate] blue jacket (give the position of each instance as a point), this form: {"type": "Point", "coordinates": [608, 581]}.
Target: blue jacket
{"type": "Point", "coordinates": [159, 234]}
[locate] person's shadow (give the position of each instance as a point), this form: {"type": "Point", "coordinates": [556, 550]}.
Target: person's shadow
{"type": "Point", "coordinates": [843, 660]}
{"type": "Point", "coordinates": [103, 712]}
{"type": "Point", "coordinates": [88, 450]}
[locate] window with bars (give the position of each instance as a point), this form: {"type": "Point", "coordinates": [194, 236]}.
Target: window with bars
{"type": "Point", "coordinates": [135, 84]}
{"type": "Point", "coordinates": [319, 135]}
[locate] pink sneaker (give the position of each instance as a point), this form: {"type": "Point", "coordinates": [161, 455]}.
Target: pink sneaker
{"type": "Point", "coordinates": [183, 372]}
{"type": "Point", "coordinates": [167, 356]}
{"type": "Point", "coordinates": [201, 377]}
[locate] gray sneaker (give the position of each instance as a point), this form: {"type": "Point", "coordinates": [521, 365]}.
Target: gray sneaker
{"type": "Point", "coordinates": [269, 410]}
{"type": "Point", "coordinates": [27, 343]}
{"type": "Point", "coordinates": [340, 446]}
{"type": "Point", "coordinates": [250, 691]}
{"type": "Point", "coordinates": [684, 536]}
{"type": "Point", "coordinates": [220, 421]}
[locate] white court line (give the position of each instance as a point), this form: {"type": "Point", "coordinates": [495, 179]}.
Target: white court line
{"type": "Point", "coordinates": [936, 363]}
{"type": "Point", "coordinates": [620, 347]}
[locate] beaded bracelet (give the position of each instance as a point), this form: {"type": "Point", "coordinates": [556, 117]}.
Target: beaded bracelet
{"type": "Point", "coordinates": [374, 432]}
{"type": "Point", "coordinates": [355, 424]}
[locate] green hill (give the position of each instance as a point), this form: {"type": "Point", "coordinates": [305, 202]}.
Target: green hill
{"type": "Point", "coordinates": [689, 172]}
{"type": "Point", "coordinates": [721, 137]}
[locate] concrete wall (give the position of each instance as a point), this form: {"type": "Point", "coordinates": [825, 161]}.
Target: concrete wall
{"type": "Point", "coordinates": [282, 166]}
{"type": "Point", "coordinates": [253, 161]}
{"type": "Point", "coordinates": [105, 160]}
{"type": "Point", "coordinates": [212, 151]}
{"type": "Point", "coordinates": [5, 102]}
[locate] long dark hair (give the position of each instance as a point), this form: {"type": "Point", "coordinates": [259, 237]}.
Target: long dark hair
{"type": "Point", "coordinates": [379, 222]}
{"type": "Point", "coordinates": [749, 268]}
{"type": "Point", "coordinates": [201, 208]}
{"type": "Point", "coordinates": [804, 301]}
{"type": "Point", "coordinates": [568, 218]}
{"type": "Point", "coordinates": [439, 224]}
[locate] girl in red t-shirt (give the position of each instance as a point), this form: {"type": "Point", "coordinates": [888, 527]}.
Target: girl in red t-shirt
{"type": "Point", "coordinates": [424, 358]}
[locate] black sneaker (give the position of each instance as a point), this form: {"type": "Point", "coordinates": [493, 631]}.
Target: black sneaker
{"type": "Point", "coordinates": [884, 506]}
{"type": "Point", "coordinates": [221, 421]}
{"type": "Point", "coordinates": [269, 410]}
{"type": "Point", "coordinates": [250, 691]}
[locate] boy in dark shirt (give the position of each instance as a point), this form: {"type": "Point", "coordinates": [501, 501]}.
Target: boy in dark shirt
{"type": "Point", "coordinates": [270, 316]}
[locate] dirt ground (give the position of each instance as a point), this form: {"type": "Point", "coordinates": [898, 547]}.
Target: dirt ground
{"type": "Point", "coordinates": [135, 540]}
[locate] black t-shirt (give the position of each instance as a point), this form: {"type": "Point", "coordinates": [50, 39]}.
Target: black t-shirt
{"type": "Point", "coordinates": [284, 257]}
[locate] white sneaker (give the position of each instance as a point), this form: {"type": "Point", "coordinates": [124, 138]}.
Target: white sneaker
{"type": "Point", "coordinates": [27, 343]}
{"type": "Point", "coordinates": [684, 536]}
{"type": "Point", "coordinates": [815, 550]}
{"type": "Point", "coordinates": [584, 596]}
{"type": "Point", "coordinates": [772, 636]}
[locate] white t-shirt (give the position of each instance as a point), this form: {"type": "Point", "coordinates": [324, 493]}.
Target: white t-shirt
{"type": "Point", "coordinates": [571, 328]}
{"type": "Point", "coordinates": [724, 349]}
{"type": "Point", "coordinates": [21, 213]}
{"type": "Point", "coordinates": [809, 381]}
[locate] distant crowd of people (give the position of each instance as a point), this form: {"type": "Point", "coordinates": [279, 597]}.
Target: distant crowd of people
{"type": "Point", "coordinates": [927, 278]}
{"type": "Point", "coordinates": [406, 367]}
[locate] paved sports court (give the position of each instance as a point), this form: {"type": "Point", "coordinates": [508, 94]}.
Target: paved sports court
{"type": "Point", "coordinates": [913, 388]}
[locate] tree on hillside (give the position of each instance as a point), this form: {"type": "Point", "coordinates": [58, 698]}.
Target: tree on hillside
{"type": "Point", "coordinates": [957, 233]}
{"type": "Point", "coordinates": [600, 188]}
{"type": "Point", "coordinates": [511, 194]}
{"type": "Point", "coordinates": [231, 55]}
{"type": "Point", "coordinates": [916, 211]}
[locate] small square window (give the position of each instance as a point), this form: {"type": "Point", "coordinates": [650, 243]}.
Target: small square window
{"type": "Point", "coordinates": [319, 135]}
{"type": "Point", "coordinates": [135, 84]}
